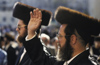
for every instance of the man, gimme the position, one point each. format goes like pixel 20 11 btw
pixel 54 42
pixel 10 49
pixel 2 43
pixel 3 54
pixel 97 42
pixel 3 57
pixel 95 50
pixel 22 12
pixel 75 32
pixel 45 39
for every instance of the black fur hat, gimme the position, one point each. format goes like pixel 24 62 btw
pixel 84 24
pixel 22 11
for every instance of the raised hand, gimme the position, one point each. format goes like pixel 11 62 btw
pixel 35 22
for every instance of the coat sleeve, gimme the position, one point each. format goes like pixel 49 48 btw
pixel 36 53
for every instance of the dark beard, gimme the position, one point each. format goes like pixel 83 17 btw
pixel 65 53
pixel 20 39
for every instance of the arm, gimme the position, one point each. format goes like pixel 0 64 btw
pixel 36 53
pixel 34 46
pixel 5 60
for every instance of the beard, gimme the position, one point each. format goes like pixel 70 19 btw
pixel 20 39
pixel 64 53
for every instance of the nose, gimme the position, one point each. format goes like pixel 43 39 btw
pixel 17 29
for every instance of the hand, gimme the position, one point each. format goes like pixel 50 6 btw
pixel 35 22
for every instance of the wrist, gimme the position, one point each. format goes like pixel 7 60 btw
pixel 30 35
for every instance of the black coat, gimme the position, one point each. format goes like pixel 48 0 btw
pixel 25 60
pixel 40 58
pixel 11 55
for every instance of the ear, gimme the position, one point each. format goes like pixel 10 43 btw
pixel 73 39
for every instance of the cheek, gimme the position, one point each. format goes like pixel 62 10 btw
pixel 23 33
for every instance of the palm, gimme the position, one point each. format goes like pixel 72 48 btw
pixel 35 21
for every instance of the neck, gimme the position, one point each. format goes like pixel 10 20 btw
pixel 78 51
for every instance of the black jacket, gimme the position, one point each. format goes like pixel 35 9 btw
pixel 25 60
pixel 11 55
pixel 40 58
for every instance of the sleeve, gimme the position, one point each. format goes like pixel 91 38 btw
pixel 5 60
pixel 36 53
pixel 30 38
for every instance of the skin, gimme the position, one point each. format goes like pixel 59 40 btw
pixel 97 44
pixel 34 23
pixel 62 40
pixel 22 30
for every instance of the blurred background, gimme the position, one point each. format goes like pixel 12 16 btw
pixel 8 22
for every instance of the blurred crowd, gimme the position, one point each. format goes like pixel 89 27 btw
pixel 10 47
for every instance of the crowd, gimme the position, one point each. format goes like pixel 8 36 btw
pixel 77 42
pixel 10 47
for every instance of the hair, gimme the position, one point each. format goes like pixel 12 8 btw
pixel 25 23
pixel 70 29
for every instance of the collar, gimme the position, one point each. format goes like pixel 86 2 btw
pixel 69 61
pixel 7 46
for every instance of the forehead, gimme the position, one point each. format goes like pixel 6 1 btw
pixel 63 26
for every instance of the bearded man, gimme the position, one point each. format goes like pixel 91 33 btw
pixel 74 34
pixel 22 12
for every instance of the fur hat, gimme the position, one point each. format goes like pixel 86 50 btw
pixel 84 24
pixel 22 11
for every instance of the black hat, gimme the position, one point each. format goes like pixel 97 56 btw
pixel 84 24
pixel 22 11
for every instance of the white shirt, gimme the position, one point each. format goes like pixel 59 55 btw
pixel 30 38
pixel 22 55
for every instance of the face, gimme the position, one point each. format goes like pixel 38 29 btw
pixel 61 35
pixel 46 41
pixel 22 31
pixel 97 44
pixel 65 51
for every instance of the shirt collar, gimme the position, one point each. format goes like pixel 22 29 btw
pixel 67 62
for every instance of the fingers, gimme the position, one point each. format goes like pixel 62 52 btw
pixel 31 14
pixel 37 13
pixel 40 15
pixel 34 12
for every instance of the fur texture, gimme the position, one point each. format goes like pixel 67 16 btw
pixel 84 24
pixel 22 11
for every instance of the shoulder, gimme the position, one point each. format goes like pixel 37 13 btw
pixel 3 52
pixel 14 45
pixel 85 62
